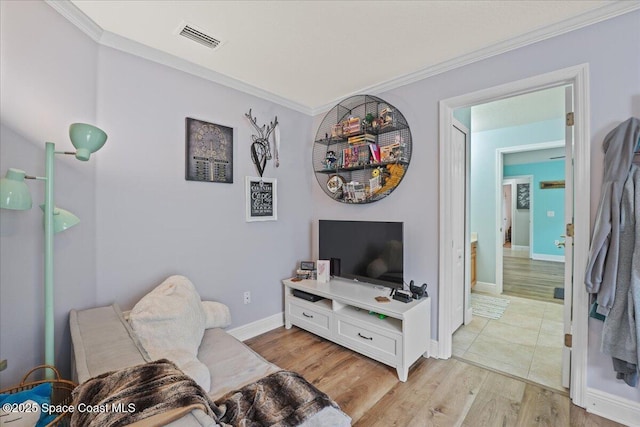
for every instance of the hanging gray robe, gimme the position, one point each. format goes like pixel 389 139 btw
pixel 621 331
pixel 602 266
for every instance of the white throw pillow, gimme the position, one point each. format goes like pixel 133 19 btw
pixel 217 315
pixel 170 323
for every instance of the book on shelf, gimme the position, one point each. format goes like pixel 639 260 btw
pixel 350 156
pixel 375 153
pixel 359 139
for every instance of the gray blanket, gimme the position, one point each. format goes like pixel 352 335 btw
pixel 282 399
pixel 136 393
pixel 158 392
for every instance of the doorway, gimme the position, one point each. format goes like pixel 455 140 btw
pixel 577 306
pixel 525 338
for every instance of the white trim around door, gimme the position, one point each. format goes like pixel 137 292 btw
pixel 578 76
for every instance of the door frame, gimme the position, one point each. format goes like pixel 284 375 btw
pixel 578 76
pixel 467 312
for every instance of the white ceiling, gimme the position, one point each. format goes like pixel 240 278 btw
pixel 519 110
pixel 313 53
pixel 535 156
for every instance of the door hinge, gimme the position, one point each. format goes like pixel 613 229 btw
pixel 570 119
pixel 568 338
pixel 569 232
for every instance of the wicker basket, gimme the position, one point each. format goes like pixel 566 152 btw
pixel 60 392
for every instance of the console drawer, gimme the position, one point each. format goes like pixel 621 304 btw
pixel 376 344
pixel 310 318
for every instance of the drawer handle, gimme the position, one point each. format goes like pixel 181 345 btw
pixel 366 338
pixel 307 315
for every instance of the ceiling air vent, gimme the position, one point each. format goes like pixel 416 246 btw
pixel 197 35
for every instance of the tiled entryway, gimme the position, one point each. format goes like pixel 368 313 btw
pixel 526 341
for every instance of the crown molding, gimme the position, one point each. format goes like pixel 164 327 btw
pixel 106 38
pixel 588 18
pixel 77 18
pixel 132 47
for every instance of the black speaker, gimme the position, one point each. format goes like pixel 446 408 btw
pixel 334 266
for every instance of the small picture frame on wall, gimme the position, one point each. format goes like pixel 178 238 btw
pixel 523 197
pixel 209 152
pixel 261 199
pixel 323 269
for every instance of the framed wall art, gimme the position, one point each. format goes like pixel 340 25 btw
pixel 262 199
pixel 522 201
pixel 209 152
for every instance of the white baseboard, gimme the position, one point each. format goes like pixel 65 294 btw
pixel 545 257
pixel 520 248
pixel 612 407
pixel 258 327
pixel 490 288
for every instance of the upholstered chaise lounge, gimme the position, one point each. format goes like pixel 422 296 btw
pixel 104 341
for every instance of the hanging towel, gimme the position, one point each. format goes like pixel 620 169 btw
pixel 602 266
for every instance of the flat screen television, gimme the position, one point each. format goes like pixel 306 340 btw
pixel 366 251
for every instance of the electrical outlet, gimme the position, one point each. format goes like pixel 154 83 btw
pixel 247 297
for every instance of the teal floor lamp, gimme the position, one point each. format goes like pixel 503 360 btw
pixel 14 194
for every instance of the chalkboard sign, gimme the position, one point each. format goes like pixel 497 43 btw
pixel 261 204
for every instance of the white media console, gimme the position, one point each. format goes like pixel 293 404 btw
pixel 398 340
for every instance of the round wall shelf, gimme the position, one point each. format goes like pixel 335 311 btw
pixel 362 150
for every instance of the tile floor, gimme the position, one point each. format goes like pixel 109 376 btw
pixel 525 342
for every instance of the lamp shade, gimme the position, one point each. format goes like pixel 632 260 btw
pixel 14 192
pixel 62 219
pixel 87 139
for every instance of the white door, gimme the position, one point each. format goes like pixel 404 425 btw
pixel 458 181
pixel 568 248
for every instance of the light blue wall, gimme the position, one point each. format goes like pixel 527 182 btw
pixel 545 229
pixel 483 182
pixel 463 115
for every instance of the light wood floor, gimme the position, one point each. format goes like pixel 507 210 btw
pixel 533 279
pixel 437 393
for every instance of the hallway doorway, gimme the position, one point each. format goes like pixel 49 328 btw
pixel 527 339
pixel 575 313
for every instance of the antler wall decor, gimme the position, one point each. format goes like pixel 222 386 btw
pixel 260 148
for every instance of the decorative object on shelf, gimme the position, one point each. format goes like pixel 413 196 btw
pixel 209 152
pixel 335 185
pixel 330 160
pixel 14 194
pixel 324 266
pixel 261 204
pixel 522 201
pixel 362 150
pixel 260 148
